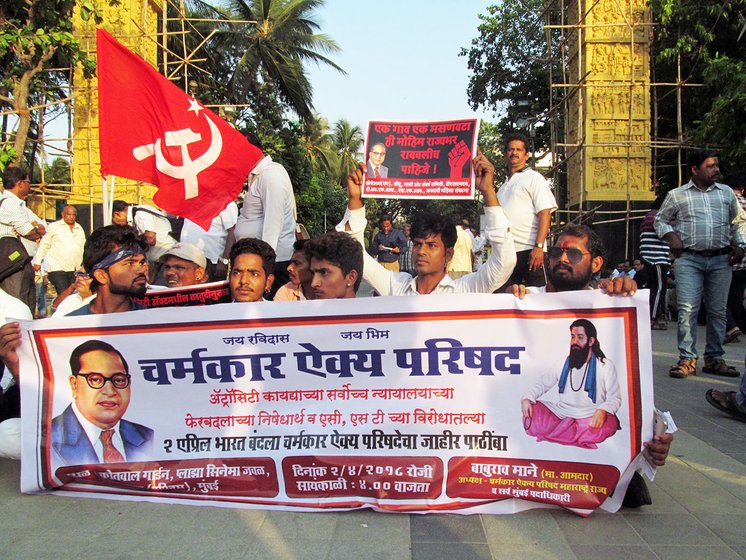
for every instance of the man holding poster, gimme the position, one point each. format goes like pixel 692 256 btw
pixel 433 240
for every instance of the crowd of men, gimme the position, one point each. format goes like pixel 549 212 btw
pixel 258 251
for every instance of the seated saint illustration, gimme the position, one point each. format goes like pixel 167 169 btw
pixel 580 401
pixel 91 429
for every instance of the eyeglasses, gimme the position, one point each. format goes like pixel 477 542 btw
pixel 98 380
pixel 378 153
pixel 573 255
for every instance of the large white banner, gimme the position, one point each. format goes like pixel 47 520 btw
pixel 468 403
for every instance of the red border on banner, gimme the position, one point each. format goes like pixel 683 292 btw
pixel 628 314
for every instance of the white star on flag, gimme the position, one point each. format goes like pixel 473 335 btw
pixel 195 106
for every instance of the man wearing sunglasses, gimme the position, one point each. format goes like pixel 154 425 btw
pixel 571 262
pixel 91 430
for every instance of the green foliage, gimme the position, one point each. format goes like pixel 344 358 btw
pixel 36 36
pixel 252 62
pixel 58 173
pixel 699 41
pixel 508 62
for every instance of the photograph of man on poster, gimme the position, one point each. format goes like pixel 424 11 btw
pixel 584 412
pixel 91 429
pixel 376 156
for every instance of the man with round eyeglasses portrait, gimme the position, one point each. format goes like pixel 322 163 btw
pixel 91 429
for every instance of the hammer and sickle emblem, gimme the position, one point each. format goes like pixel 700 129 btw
pixel 189 169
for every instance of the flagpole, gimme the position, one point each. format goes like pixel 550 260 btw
pixel 104 200
pixel 111 201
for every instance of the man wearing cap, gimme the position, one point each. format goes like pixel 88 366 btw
pixel 184 264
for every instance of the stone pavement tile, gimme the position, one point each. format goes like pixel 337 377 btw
pixel 540 551
pixel 740 550
pixel 613 552
pixel 376 547
pixel 451 551
pixel 703 492
pixel 666 528
pixel 447 528
pixel 730 528
pixel 529 527
pixel 222 521
pixel 287 548
pixel 663 502
pixel 298 525
pixel 363 525
pixel 695 553
pixel 366 534
pixel 598 529
pixel 44 543
pixel 57 515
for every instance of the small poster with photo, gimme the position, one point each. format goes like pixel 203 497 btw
pixel 420 160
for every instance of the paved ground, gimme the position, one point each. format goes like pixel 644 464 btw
pixel 699 511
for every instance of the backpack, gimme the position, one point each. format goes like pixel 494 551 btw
pixel 177 222
pixel 13 255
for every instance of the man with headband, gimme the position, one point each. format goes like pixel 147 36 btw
pixel 114 258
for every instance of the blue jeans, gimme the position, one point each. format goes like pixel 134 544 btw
pixel 696 276
pixel 741 393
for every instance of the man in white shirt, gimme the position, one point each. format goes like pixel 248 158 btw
pixel 149 222
pixel 213 241
pixel 10 410
pixel 268 213
pixel 433 239
pixel 16 223
pixel 528 203
pixel 62 245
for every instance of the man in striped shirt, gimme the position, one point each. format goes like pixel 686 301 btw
pixel 706 230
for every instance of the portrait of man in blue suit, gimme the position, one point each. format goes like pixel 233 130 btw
pixel 376 169
pixel 91 429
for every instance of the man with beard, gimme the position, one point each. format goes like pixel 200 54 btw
pixel 115 261
pixel 571 263
pixel 589 395
pixel 114 258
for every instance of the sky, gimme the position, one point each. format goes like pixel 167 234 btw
pixel 401 57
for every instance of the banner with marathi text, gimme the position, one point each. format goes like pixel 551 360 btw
pixel 400 404
pixel 420 160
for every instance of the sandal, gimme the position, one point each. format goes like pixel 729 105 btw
pixel 732 335
pixel 717 366
pixel 726 401
pixel 685 368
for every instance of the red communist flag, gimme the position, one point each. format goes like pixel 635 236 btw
pixel 151 131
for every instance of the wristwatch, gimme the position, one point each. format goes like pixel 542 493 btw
pixel 539 245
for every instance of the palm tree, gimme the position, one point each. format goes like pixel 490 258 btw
pixel 269 42
pixel 348 140
pixel 320 148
